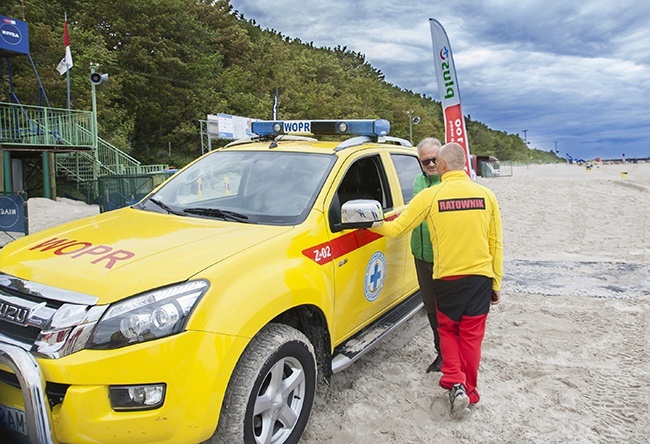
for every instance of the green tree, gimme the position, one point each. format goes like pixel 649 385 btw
pixel 172 62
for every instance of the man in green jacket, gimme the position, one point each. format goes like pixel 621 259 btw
pixel 421 241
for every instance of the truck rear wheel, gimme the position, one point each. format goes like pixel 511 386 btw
pixel 271 391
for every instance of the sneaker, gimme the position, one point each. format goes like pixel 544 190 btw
pixel 459 401
pixel 436 365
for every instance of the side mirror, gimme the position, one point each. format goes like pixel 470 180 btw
pixel 361 213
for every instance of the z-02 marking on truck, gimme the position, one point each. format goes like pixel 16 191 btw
pixel 231 295
pixel 334 249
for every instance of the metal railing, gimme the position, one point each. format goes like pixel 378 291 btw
pixel 107 154
pixel 69 133
pixel 83 166
pixel 111 161
pixel 43 126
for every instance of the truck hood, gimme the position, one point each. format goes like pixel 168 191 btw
pixel 124 252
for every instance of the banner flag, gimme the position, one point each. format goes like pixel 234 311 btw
pixel 275 105
pixel 66 62
pixel 455 130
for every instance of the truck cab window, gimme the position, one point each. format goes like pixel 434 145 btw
pixel 365 179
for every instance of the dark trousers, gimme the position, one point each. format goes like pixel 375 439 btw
pixel 463 305
pixel 424 271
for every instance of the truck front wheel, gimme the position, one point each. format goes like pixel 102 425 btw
pixel 271 391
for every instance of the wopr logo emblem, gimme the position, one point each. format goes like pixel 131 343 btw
pixel 375 276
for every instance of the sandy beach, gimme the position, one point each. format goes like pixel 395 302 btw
pixel 566 356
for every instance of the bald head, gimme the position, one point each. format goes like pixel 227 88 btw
pixel 451 157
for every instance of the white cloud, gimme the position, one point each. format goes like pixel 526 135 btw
pixel 575 73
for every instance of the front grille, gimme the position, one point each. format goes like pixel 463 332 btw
pixel 25 334
pixel 43 319
pixel 20 333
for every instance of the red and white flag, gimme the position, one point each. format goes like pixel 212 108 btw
pixel 448 88
pixel 66 62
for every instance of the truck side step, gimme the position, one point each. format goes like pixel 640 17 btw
pixel 357 345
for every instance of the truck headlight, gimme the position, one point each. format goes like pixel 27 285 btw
pixel 151 315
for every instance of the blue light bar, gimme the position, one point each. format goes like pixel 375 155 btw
pixel 266 127
pixel 371 128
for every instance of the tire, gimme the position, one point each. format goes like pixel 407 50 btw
pixel 271 391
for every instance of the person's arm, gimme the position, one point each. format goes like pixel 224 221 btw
pixel 496 244
pixel 414 214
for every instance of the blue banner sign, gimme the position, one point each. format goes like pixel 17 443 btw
pixel 12 213
pixel 14 39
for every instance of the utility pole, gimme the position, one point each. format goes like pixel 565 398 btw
pixel 412 120
pixel 526 142
pixel 95 135
pixel 93 68
pixel 410 114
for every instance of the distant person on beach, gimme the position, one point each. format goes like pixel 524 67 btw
pixel 421 241
pixel 465 227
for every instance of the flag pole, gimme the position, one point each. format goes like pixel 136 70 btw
pixel 67 73
pixel 275 104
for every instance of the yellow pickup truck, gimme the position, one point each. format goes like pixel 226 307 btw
pixel 211 309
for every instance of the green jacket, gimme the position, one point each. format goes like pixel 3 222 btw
pixel 420 239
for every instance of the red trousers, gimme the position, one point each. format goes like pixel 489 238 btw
pixel 460 344
pixel 463 304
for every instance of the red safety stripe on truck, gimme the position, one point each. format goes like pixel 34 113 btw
pixel 328 251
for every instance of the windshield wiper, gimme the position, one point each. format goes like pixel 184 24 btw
pixel 167 208
pixel 216 212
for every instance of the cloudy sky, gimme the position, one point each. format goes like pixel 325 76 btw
pixel 575 73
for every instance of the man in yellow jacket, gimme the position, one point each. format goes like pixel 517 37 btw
pixel 465 227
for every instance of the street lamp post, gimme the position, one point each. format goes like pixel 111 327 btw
pixel 412 121
pixel 527 149
pixel 93 68
pixel 95 135
pixel 95 79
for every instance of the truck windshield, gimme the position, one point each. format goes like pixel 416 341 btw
pixel 270 187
